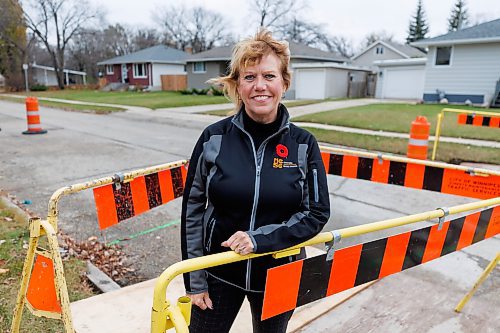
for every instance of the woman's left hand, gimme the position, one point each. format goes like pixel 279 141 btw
pixel 240 243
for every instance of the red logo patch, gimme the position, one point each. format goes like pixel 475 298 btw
pixel 282 151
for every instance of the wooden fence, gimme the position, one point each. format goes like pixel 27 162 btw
pixel 173 82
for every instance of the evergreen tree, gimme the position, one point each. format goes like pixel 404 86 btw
pixel 418 28
pixel 458 17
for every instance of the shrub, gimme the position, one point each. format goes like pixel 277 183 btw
pixel 38 87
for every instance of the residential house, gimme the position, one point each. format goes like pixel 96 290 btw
pixel 400 68
pixel 212 63
pixel 383 50
pixel 145 67
pixel 46 75
pixel 463 65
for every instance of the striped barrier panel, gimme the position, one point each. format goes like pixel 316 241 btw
pixel 120 201
pixel 314 278
pixel 418 176
pixel 478 120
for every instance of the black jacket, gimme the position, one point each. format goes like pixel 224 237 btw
pixel 277 193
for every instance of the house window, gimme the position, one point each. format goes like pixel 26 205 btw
pixel 109 69
pixel 379 50
pixel 199 67
pixel 443 56
pixel 139 70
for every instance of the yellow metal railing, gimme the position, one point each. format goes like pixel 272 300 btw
pixel 48 228
pixel 440 118
pixel 165 315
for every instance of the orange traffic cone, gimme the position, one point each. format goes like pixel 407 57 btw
pixel 33 117
pixel 419 138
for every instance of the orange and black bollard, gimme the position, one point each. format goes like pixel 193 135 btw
pixel 33 117
pixel 419 138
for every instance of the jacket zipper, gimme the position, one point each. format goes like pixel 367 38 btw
pixel 258 167
pixel 316 194
pixel 209 241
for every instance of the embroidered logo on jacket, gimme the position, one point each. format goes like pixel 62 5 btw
pixel 279 163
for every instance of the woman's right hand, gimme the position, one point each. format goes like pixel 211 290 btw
pixel 201 300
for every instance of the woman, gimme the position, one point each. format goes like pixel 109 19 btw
pixel 256 183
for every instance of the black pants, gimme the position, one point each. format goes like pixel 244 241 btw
pixel 227 301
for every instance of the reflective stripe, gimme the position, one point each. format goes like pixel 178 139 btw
pixel 34 126
pixel 417 142
pixel 32 113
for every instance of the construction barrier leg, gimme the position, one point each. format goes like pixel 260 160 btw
pixel 481 279
pixel 43 287
pixel 28 264
pixel 60 280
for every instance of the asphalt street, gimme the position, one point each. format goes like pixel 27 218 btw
pixel 82 146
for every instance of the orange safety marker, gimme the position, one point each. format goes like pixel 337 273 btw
pixel 419 138
pixel 356 265
pixel 41 294
pixel 33 117
pixel 120 201
pixel 424 177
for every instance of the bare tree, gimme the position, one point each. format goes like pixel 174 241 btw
pixel 118 40
pixel 196 27
pixel 55 23
pixel 314 35
pixel 372 37
pixel 144 38
pixel 272 13
pixel 340 45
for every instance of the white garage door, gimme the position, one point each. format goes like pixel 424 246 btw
pixel 310 84
pixel 404 83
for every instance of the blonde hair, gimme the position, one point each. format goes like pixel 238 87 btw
pixel 248 52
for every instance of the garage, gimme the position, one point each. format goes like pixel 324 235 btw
pixel 328 80
pixel 402 78
pixel 310 83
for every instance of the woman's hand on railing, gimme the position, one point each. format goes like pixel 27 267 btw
pixel 240 243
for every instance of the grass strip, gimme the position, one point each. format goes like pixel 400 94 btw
pixel 152 99
pixel 398 118
pixel 98 109
pixel 14 235
pixel 288 104
pixel 447 152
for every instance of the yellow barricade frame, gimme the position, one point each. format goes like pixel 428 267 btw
pixel 440 118
pixel 48 228
pixel 163 314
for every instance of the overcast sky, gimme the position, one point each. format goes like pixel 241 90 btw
pixel 350 18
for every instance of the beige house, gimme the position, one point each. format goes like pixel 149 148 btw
pixel 381 50
pixel 203 66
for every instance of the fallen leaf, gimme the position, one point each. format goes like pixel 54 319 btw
pixel 4 270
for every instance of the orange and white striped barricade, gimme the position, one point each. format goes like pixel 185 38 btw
pixel 33 117
pixel 419 138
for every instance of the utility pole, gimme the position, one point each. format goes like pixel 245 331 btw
pixel 25 67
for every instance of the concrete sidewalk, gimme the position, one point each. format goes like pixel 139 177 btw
pixel 128 310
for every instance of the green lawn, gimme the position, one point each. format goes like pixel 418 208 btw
pixel 447 152
pixel 12 254
pixel 288 104
pixel 69 107
pixel 398 118
pixel 153 100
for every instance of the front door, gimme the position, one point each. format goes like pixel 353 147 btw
pixel 124 73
